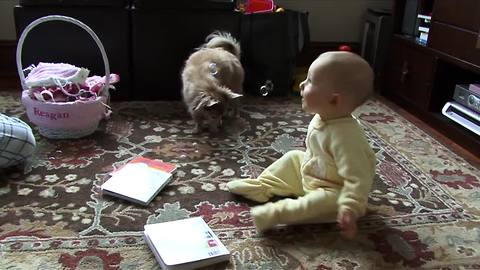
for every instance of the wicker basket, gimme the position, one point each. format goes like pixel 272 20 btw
pixel 65 120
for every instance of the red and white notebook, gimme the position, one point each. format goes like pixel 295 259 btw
pixel 185 244
pixel 140 180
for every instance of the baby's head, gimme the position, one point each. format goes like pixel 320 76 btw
pixel 337 83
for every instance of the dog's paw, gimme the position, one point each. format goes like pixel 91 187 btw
pixel 196 130
pixel 213 129
pixel 197 127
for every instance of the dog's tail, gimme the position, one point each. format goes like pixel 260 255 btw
pixel 223 40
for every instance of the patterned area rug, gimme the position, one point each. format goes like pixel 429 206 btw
pixel 423 211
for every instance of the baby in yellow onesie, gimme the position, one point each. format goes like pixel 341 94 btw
pixel 331 180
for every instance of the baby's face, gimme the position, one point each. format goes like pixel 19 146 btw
pixel 316 90
pixel 337 83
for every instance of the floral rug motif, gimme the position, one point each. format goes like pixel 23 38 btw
pixel 423 210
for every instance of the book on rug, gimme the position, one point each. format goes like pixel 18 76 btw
pixel 140 180
pixel 185 244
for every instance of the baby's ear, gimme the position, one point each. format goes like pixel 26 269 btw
pixel 335 99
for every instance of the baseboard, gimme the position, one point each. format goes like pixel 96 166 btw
pixel 7 55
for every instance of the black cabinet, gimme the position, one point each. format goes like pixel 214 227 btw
pixel 62 42
pixel 162 40
pixel 147 42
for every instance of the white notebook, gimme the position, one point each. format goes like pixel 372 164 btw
pixel 139 181
pixel 185 244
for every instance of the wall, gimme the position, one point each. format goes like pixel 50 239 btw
pixel 335 20
pixel 330 20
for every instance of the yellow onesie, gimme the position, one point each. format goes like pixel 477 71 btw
pixel 335 173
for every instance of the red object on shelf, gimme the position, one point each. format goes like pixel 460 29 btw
pixel 258 6
pixel 345 48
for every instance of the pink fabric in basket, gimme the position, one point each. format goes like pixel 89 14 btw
pixel 47 74
pixel 76 115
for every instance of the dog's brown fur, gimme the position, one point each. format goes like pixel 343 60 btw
pixel 212 77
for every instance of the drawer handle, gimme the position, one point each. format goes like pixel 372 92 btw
pixel 478 40
pixel 405 72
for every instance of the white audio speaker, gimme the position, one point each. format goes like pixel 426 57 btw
pixel 463 116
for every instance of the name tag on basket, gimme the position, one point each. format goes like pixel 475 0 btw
pixel 50 115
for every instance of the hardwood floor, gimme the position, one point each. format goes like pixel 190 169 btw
pixel 11 83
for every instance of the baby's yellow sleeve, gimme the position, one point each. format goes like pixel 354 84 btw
pixel 355 161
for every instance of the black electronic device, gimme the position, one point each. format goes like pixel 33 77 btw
pixel 409 22
pixel 467 97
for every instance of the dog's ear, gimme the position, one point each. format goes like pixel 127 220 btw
pixel 229 93
pixel 211 101
pixel 205 101
pixel 233 95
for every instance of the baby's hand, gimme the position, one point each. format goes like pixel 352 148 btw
pixel 347 223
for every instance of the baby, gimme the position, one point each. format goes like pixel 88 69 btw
pixel 331 180
pixel 17 142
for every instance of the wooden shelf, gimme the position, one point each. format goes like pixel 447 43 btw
pixel 410 39
pixel 422 77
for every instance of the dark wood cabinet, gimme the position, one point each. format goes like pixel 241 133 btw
pixel 408 73
pixel 455 30
pixel 454 41
pixel 464 14
pixel 421 77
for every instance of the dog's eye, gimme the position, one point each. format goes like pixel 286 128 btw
pixel 216 108
pixel 212 108
pixel 213 69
